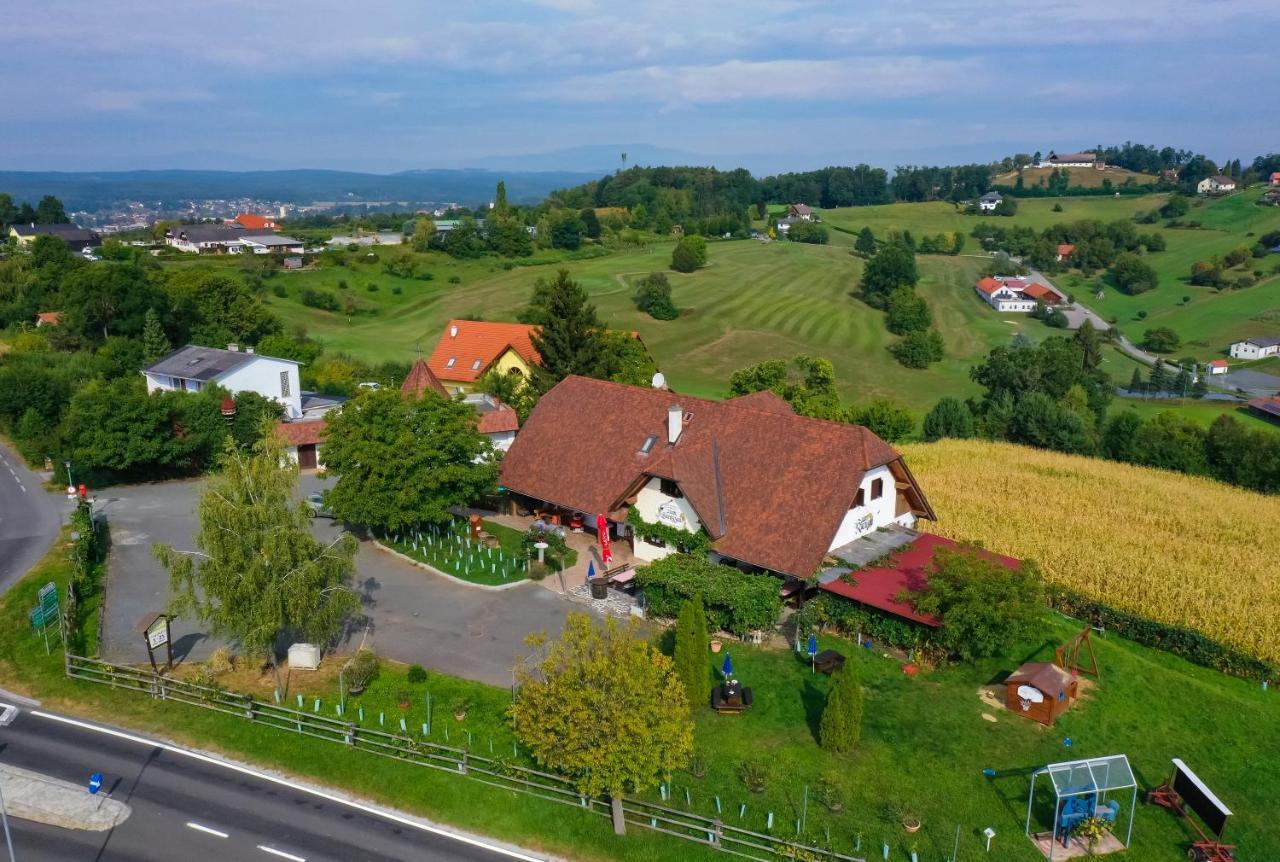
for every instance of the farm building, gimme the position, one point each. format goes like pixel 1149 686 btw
pixel 1070 160
pixel 771 489
pixel 989 201
pixel 1268 407
pixel 1219 366
pixel 1040 691
pixel 1015 294
pixel 303 442
pixel 1256 348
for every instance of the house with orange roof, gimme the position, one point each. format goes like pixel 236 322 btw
pixel 1016 295
pixel 48 318
pixel 255 222
pixel 495 420
pixel 303 441
pixel 1065 250
pixel 469 349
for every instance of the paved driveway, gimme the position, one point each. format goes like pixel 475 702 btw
pixel 411 615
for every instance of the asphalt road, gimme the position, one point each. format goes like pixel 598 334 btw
pixel 29 518
pixel 262 820
pixel 410 614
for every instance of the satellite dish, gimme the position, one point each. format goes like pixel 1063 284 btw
pixel 659 381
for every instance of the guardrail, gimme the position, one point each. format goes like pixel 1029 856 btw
pixel 496 772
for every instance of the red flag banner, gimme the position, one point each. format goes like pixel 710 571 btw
pixel 602 528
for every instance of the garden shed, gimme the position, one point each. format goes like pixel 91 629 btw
pixel 1040 691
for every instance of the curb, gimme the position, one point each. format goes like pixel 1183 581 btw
pixel 493 588
pixel 7 695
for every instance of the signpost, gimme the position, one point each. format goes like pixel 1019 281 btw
pixel 95 783
pixel 156 634
pixel 45 612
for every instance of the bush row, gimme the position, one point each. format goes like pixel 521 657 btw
pixel 848 618
pixel 735 601
pixel 1179 640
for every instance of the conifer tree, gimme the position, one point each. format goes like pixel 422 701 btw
pixel 841 726
pixel 155 343
pixel 691 650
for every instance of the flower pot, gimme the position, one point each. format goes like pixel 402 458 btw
pixel 911 824
pixel 715 645
pixel 460 714
pixel 833 807
pixel 355 690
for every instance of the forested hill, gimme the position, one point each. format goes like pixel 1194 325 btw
pixel 95 190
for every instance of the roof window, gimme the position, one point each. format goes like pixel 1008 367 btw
pixel 452 359
pixel 648 444
pixel 475 366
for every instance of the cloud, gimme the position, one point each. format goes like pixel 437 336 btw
pixel 365 96
pixel 862 79
pixel 124 100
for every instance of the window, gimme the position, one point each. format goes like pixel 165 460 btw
pixel 651 540
pixel 284 384
pixel 515 370
pixel 648 444
pixel 669 487
pixel 877 489
pixel 861 499
pixel 452 359
pixel 475 366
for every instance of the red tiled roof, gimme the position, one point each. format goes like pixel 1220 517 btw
pixel 1219 363
pixel 770 487
pixel 255 222
pixel 1066 249
pixel 1268 405
pixel 880 586
pixel 420 380
pixel 466 341
pixel 762 400
pixel 498 421
pixel 304 433
pixel 1040 291
pixel 989 285
pixel 49 318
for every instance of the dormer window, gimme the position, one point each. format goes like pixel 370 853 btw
pixel 647 445
pixel 452 359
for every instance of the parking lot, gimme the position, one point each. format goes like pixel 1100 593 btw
pixel 411 614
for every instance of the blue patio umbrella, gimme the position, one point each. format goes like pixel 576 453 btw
pixel 727 668
pixel 591 569
pixel 813 645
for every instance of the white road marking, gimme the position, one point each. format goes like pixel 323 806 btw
pixel 283 855
pixel 205 829
pixel 23 487
pixel 375 811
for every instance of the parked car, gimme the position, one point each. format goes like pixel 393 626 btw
pixel 318 508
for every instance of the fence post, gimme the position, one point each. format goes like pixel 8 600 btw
pixel 718 833
pixel 248 713
pixel 351 734
pixel 462 765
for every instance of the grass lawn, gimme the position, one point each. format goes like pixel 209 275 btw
pixel 925 744
pixel 454 553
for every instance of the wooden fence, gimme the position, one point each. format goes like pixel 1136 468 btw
pixel 495 772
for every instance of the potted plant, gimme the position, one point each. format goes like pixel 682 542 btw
pixel 361 670
pixel 460 709
pixel 911 823
pixel 1089 832
pixel 697 765
pixel 716 644
pixel 402 698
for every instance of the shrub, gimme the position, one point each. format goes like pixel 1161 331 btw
pixel 653 296
pixel 455 279
pixel 372 288
pixel 950 417
pixel 320 299
pixel 221 661
pixel 362 669
pixel 1161 339
pixel 417 673
pixel 684 258
pixel 342 284
pixel 397 290
pixel 841 725
pixel 808 232
pixel 1132 275
pixel 919 348
pixel 735 601
pixel 278 290
pixel 690 656
pixel 754 774
pixel 907 312
pixel 985 608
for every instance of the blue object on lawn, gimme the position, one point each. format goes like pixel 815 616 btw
pixel 95 782
pixel 813 645
pixel 1067 742
pixel 591 569
pixel 727 667
pixel 989 772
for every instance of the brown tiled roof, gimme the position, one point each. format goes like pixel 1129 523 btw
pixel 764 400
pixel 1037 290
pixel 420 380
pixel 496 421
pixel 1066 249
pixel 465 341
pixel 303 433
pixel 1041 675
pixel 50 318
pixel 770 487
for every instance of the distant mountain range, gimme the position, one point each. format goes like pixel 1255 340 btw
pixel 96 190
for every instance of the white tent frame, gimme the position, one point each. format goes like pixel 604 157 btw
pixel 1099 769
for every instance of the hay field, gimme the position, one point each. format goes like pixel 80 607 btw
pixel 1174 548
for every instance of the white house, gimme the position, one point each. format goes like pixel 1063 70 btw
pixel 1015 294
pixel 767 488
pixel 800 211
pixel 1219 366
pixel 989 201
pixel 1256 348
pixel 191 368
pixel 270 243
pixel 1215 185
pixel 304 442
pixel 212 238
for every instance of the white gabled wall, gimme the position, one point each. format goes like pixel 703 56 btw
pixel 262 375
pixel 648 503
pixel 502 440
pixel 873 514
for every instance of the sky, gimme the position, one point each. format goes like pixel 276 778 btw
pixel 388 85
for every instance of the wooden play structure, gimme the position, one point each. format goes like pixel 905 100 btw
pixel 1040 691
pixel 1068 655
pixel 1186 795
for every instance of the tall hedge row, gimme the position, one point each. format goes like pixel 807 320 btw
pixel 735 601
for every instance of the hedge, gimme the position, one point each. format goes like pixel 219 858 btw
pixel 850 618
pixel 735 601
pixel 1179 640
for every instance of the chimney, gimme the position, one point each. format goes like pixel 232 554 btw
pixel 453 332
pixel 233 347
pixel 675 422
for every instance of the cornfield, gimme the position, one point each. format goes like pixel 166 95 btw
pixel 1176 549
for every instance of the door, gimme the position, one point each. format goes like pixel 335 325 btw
pixel 307 456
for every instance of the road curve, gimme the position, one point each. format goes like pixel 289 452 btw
pixel 29 518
